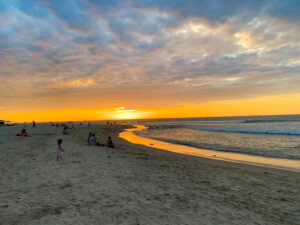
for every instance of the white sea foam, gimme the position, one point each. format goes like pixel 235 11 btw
pixel 245 130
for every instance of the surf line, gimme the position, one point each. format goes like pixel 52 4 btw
pixel 286 164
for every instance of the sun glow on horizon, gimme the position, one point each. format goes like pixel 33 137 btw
pixel 122 113
pixel 267 105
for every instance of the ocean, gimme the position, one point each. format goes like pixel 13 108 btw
pixel 269 136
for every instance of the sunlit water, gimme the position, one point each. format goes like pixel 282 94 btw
pixel 288 164
pixel 270 136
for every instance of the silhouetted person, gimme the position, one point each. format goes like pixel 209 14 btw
pixel 109 142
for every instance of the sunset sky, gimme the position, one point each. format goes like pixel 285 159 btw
pixel 96 59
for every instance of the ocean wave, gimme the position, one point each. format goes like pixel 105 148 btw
pixel 257 131
pixel 221 122
pixel 246 121
pixel 242 121
pixel 269 121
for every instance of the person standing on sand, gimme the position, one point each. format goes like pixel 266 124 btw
pixel 33 124
pixel 59 152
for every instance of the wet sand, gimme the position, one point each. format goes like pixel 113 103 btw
pixel 133 184
pixel 287 164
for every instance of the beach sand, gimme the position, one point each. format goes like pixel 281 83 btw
pixel 133 184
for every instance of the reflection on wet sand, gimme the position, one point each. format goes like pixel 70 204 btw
pixel 226 156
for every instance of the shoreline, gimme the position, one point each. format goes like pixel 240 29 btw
pixel 277 163
pixel 134 184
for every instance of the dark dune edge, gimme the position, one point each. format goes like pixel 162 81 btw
pixel 133 184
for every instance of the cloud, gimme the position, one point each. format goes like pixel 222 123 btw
pixel 222 11
pixel 288 10
pixel 200 49
pixel 123 109
pixel 73 13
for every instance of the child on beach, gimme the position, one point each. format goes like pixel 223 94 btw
pixel 60 150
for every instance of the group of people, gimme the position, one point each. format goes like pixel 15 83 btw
pixel 92 140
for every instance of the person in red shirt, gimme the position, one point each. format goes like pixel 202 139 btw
pixel 23 133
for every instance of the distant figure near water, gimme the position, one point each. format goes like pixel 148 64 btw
pixel 33 124
pixel 65 131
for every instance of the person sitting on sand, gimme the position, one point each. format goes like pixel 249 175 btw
pixel 109 142
pixel 90 135
pixel 92 139
pixel 59 152
pixel 23 133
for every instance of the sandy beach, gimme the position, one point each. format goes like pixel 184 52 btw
pixel 133 184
